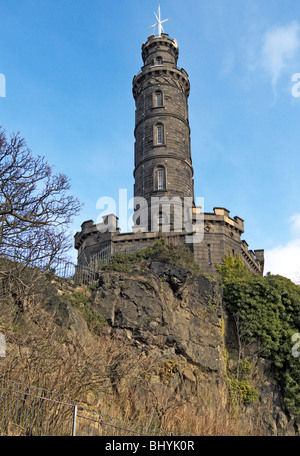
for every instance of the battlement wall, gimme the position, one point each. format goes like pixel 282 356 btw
pixel 221 236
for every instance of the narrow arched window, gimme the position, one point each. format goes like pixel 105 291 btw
pixel 158 99
pixel 159 134
pixel 159 61
pixel 209 254
pixel 159 176
pixel 160 179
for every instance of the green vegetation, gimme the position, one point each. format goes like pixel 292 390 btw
pixel 82 302
pixel 266 310
pixel 179 255
pixel 242 391
pixel 232 268
pixel 240 388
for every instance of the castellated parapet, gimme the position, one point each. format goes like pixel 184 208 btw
pixel 163 169
pixel 222 235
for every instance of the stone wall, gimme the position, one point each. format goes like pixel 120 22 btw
pixel 222 235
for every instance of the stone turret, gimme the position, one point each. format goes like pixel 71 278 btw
pixel 163 163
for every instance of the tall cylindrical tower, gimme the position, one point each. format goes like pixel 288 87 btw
pixel 163 163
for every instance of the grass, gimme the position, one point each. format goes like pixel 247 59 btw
pixel 110 374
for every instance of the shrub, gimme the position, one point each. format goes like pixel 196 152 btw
pixel 268 311
pixel 179 255
pixel 242 391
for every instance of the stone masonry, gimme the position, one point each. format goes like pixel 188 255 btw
pixel 163 170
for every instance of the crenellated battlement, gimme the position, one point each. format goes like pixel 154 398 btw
pixel 221 216
pixel 162 45
pixel 221 236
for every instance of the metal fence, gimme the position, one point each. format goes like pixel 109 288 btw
pixel 32 411
pixel 100 258
pixel 89 273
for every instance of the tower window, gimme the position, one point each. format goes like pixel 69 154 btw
pixel 159 61
pixel 159 134
pixel 160 179
pixel 158 98
pixel 209 254
pixel 159 130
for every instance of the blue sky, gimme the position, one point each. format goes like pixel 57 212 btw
pixel 69 65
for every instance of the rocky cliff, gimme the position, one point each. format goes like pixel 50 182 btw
pixel 166 307
pixel 153 344
pixel 182 315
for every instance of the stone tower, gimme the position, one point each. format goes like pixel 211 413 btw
pixel 163 163
pixel 163 172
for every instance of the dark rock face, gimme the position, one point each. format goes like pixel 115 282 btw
pixel 169 309
pixel 166 307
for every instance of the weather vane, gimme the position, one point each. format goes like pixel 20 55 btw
pixel 159 22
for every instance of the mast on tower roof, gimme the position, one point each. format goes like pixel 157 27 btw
pixel 159 22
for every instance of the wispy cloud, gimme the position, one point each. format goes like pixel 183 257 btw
pixel 285 259
pixel 280 45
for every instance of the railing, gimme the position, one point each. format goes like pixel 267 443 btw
pixel 100 258
pixel 31 411
pixel 89 274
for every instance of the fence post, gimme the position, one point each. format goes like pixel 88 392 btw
pixel 74 421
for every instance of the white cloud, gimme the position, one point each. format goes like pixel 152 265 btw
pixel 279 49
pixel 285 259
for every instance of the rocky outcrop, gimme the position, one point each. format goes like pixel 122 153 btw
pixel 153 341
pixel 167 307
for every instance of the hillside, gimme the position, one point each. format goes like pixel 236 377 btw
pixel 151 341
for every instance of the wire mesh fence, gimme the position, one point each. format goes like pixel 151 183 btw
pixel 32 411
pixel 28 410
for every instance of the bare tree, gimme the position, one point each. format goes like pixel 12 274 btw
pixel 35 206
